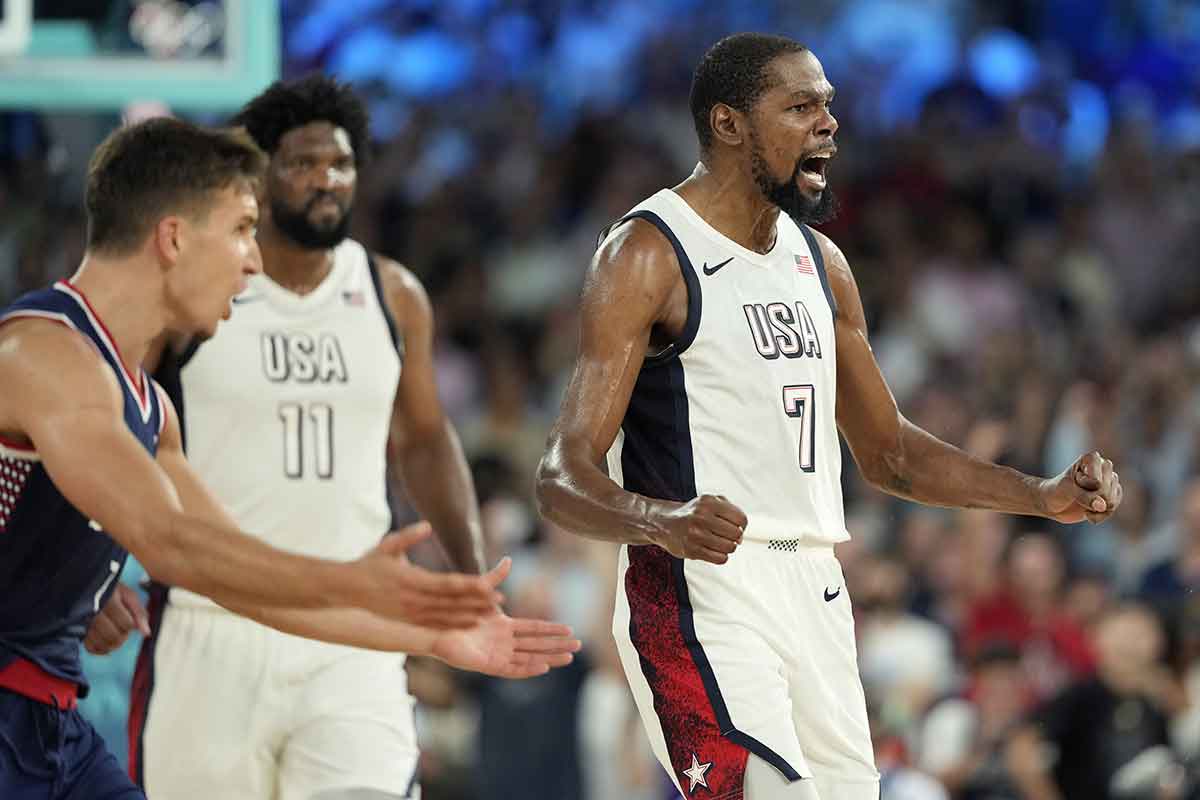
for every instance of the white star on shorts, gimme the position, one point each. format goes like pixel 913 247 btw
pixel 696 774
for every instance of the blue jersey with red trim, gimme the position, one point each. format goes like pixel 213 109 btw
pixel 57 567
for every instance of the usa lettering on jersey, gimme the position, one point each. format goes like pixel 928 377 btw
pixel 303 358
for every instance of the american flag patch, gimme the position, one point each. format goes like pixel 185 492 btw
pixel 355 298
pixel 804 264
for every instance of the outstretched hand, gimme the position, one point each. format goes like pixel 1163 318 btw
pixel 394 587
pixel 1088 489
pixel 121 616
pixel 508 648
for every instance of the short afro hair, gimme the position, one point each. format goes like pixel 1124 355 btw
pixel 733 72
pixel 315 98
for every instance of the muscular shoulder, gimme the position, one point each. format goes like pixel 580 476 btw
pixel 51 368
pixel 841 278
pixel 405 295
pixel 636 255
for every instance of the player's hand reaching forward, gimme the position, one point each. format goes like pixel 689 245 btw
pixel 708 528
pixel 393 587
pixel 508 648
pixel 1088 489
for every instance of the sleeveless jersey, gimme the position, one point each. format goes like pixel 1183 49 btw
pixel 743 403
pixel 57 567
pixel 286 411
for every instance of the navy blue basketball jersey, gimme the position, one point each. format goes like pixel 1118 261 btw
pixel 57 567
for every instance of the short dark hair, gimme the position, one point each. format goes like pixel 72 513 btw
pixel 314 98
pixel 145 171
pixel 733 72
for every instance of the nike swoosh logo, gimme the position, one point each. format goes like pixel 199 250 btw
pixel 713 269
pixel 829 596
pixel 237 301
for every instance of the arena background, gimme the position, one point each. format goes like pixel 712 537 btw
pixel 1020 184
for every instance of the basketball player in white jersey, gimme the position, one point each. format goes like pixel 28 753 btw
pixel 721 341
pixel 286 413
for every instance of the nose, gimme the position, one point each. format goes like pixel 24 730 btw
pixel 827 125
pixel 252 265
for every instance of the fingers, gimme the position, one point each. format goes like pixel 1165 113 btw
pixel 1088 471
pixel 539 627
pixel 132 603
pixel 400 541
pixel 547 645
pixel 522 665
pixel 499 572
pixel 104 636
pixel 452 585
pixel 728 511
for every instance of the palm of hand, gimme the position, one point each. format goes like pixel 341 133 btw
pixel 488 647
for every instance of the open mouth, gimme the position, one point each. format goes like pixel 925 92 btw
pixel 813 168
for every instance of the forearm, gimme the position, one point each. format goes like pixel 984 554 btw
pixel 579 497
pixel 353 627
pixel 229 566
pixel 438 483
pixel 925 469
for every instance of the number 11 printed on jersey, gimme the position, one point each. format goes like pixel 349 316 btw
pixel 320 416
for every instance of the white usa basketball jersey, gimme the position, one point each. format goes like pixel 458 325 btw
pixel 743 403
pixel 286 411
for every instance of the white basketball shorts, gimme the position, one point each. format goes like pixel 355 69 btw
pixel 754 656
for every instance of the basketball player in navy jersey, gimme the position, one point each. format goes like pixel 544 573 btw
pixel 330 352
pixel 698 431
pixel 91 465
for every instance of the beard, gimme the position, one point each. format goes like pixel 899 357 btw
pixel 300 229
pixel 803 209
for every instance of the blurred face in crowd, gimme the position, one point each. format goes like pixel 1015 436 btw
pixel 1128 641
pixel 1035 567
pixel 310 185
pixel 791 138
pixel 215 252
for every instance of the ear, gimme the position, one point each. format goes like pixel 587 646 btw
pixel 728 124
pixel 169 236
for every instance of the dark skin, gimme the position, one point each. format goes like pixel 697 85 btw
pixel 635 302
pixel 317 160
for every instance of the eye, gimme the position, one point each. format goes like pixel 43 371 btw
pixel 801 107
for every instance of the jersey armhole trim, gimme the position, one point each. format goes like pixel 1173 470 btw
pixel 819 259
pixel 694 303
pixel 393 328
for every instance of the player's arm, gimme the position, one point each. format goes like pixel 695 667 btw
pixel 899 458
pixel 632 286
pixel 495 643
pixel 197 501
pixel 61 396
pixel 423 447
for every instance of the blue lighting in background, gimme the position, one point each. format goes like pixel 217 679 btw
pixel 1003 63
pixel 1086 128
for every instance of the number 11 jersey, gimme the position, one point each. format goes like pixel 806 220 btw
pixel 743 403
pixel 286 410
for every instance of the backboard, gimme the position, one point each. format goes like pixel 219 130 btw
pixel 201 55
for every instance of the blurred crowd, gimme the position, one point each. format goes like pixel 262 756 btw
pixel 1033 293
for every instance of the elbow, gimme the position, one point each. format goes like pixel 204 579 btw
pixel 547 489
pixel 885 471
pixel 161 551
pixel 543 489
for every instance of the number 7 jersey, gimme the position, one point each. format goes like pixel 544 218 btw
pixel 743 403
pixel 286 410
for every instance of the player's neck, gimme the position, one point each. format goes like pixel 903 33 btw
pixel 731 203
pixel 295 268
pixel 127 299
